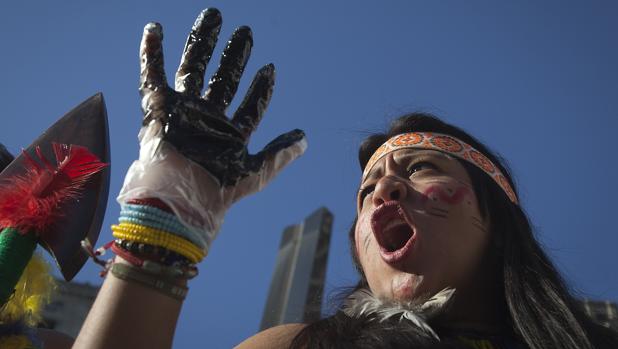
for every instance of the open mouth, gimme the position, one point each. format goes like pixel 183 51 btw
pixel 393 232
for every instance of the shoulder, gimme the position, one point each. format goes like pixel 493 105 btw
pixel 273 338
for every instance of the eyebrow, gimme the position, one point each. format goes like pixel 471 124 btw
pixel 409 156
pixel 425 153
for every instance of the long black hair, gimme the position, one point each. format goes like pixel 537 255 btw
pixel 539 307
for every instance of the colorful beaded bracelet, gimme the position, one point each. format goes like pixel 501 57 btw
pixel 147 209
pixel 176 270
pixel 171 226
pixel 152 252
pixel 164 221
pixel 140 233
pixel 153 202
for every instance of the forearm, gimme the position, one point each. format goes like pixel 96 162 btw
pixel 193 165
pixel 126 314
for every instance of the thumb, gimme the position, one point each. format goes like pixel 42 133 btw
pixel 273 158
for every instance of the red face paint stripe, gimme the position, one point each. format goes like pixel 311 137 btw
pixel 454 199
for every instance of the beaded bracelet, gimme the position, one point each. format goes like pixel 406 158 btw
pixel 158 219
pixel 153 202
pixel 181 232
pixel 150 210
pixel 127 256
pixel 152 252
pixel 161 238
pixel 176 270
pixel 170 226
pixel 143 234
pixel 161 217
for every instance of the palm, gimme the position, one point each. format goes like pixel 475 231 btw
pixel 196 125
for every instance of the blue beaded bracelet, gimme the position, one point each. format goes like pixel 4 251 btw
pixel 148 210
pixel 171 226
pixel 158 219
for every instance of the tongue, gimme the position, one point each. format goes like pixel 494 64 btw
pixel 397 237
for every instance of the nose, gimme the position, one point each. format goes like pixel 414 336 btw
pixel 389 188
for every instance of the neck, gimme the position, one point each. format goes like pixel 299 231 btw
pixel 478 306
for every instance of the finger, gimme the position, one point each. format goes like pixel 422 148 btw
pixel 152 74
pixel 198 50
pixel 282 142
pixel 224 83
pixel 251 110
pixel 271 160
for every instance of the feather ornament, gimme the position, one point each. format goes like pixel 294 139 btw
pixel 30 202
pixel 31 294
pixel 363 303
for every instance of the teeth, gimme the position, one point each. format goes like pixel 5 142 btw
pixel 394 223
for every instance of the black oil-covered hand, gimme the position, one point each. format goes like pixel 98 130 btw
pixel 196 125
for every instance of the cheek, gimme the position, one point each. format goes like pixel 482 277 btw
pixel 449 200
pixel 369 257
pixel 452 234
pixel 446 194
pixel 362 236
pixel 444 201
pixel 453 209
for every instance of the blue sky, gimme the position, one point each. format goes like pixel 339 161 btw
pixel 536 81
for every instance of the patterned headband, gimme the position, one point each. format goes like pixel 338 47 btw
pixel 445 144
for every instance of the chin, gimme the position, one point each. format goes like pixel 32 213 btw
pixel 406 287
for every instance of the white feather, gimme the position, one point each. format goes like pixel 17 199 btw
pixel 363 303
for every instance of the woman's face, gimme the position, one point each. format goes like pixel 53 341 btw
pixel 419 228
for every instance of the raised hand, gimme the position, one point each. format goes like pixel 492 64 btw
pixel 197 125
pixel 192 156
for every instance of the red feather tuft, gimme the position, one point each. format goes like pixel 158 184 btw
pixel 31 202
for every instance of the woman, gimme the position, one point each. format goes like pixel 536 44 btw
pixel 471 234
pixel 445 252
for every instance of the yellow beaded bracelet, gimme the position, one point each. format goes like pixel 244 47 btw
pixel 152 236
pixel 136 237
pixel 159 238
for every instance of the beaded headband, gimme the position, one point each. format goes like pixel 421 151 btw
pixel 446 144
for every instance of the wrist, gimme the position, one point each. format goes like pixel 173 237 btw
pixel 170 287
pixel 148 227
pixel 194 196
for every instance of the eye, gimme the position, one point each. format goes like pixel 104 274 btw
pixel 420 166
pixel 363 192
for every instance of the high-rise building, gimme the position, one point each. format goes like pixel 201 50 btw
pixel 298 280
pixel 69 306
